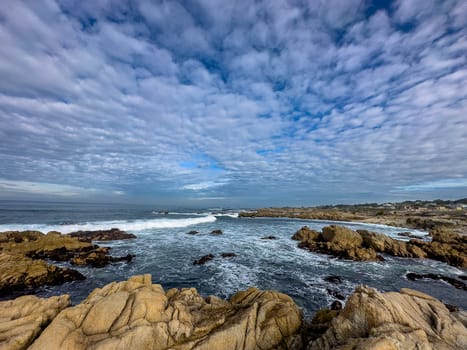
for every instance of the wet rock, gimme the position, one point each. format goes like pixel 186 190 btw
pixel 23 319
pixel 270 237
pixel 228 255
pixel 453 254
pixel 405 320
pixel 203 260
pixel 336 305
pixel 18 272
pixel 335 294
pixel 192 232
pixel 462 277
pixel 437 277
pixel 333 279
pixel 102 235
pixel 139 315
pixel 216 232
pixel 98 258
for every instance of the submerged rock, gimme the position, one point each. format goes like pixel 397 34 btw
pixel 18 273
pixel 228 255
pixel 216 232
pixel 437 277
pixel 139 315
pixel 192 232
pixel 270 237
pixel 204 259
pixel 23 319
pixel 399 321
pixel 333 279
pixel 102 235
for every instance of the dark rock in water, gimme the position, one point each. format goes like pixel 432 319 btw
pixel 192 232
pixel 335 294
pixel 437 277
pixel 404 234
pixel 228 255
pixel 407 234
pixel 333 279
pixel 203 260
pixel 451 308
pixel 336 305
pixel 269 237
pixel 98 258
pixel 462 277
pixel 102 235
pixel 216 232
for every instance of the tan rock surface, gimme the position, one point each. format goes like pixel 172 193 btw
pixel 139 315
pixel 396 321
pixel 22 319
pixel 18 272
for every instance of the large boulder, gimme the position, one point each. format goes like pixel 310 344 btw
pixel 305 234
pixel 22 319
pixel 338 241
pixel 393 321
pixel 137 314
pixel 342 236
pixel 18 272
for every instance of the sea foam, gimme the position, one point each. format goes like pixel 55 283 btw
pixel 136 225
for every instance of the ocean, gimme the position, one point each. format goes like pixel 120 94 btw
pixel 165 250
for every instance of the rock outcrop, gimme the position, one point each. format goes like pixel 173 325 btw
pixel 57 247
pixel 445 246
pixel 22 319
pixel 137 314
pixel 18 273
pixel 338 241
pixel 363 245
pixel 395 321
pixel 114 234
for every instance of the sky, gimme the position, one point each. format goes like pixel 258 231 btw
pixel 233 103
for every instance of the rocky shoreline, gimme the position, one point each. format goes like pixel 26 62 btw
pixel 413 215
pixel 363 245
pixel 25 257
pixel 137 314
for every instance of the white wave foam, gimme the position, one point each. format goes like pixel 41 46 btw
pixel 231 215
pixel 133 226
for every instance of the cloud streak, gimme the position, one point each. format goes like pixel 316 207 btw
pixel 284 102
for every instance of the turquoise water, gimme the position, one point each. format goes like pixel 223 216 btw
pixel 163 249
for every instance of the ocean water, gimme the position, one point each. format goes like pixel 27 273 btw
pixel 165 250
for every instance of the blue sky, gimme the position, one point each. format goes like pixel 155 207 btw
pixel 246 103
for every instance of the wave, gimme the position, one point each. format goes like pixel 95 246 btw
pixel 216 214
pixel 136 225
pixel 230 215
